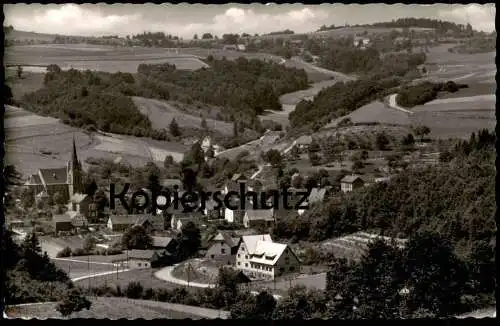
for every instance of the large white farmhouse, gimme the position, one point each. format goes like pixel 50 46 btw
pixel 261 258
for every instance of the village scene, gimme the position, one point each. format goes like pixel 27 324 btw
pixel 354 166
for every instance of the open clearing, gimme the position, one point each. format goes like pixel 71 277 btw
pixel 161 113
pixel 117 308
pixel 374 112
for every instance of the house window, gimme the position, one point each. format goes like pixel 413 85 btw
pixel 292 268
pixel 238 255
pixel 246 256
pixel 246 264
pixel 139 264
pixel 223 251
pixel 239 263
pixel 282 269
pixel 212 256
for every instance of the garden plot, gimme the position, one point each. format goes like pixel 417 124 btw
pixel 159 155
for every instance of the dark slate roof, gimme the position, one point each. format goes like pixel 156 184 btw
pixel 350 178
pixel 227 238
pixel 54 176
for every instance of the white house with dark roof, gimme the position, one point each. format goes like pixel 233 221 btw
pixel 261 258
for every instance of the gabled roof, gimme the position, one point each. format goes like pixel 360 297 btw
pixel 317 195
pixel 267 252
pixel 260 214
pixel 54 176
pixel 251 241
pixel 141 254
pixel 123 219
pixel 226 238
pixel 61 218
pixel 350 178
pixel 161 241
pixel 34 179
pixel 304 140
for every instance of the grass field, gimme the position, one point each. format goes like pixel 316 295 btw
pixel 161 113
pixel 104 58
pixel 34 141
pixel 117 308
pixel 79 267
pixel 144 276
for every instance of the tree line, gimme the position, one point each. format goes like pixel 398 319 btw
pixel 338 100
pixel 419 94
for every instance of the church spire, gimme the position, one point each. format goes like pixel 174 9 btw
pixel 74 157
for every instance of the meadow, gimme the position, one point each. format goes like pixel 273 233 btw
pixel 117 308
pixel 33 141
pixel 161 113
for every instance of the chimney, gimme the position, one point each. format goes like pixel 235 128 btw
pixel 54 175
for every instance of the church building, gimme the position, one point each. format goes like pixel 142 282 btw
pixel 67 181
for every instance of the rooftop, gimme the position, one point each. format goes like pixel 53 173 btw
pixel 161 241
pixel 54 176
pixel 350 178
pixel 267 252
pixel 251 241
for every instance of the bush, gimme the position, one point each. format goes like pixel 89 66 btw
pixel 66 252
pixel 134 290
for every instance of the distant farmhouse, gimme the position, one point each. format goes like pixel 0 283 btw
pixel 66 181
pixel 351 182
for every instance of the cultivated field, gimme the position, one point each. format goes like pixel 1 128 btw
pixel 103 58
pixel 374 112
pixel 33 141
pixel 161 113
pixel 117 308
pixel 456 117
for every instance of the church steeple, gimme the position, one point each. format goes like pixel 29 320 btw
pixel 74 173
pixel 74 157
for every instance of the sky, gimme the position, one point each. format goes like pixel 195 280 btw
pixel 185 20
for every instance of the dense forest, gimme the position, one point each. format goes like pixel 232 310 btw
pixel 86 99
pixel 455 199
pixel 439 25
pixel 246 85
pixel 338 100
pixel 370 63
pixel 243 88
pixel 419 94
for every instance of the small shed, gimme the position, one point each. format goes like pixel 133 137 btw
pixel 351 182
